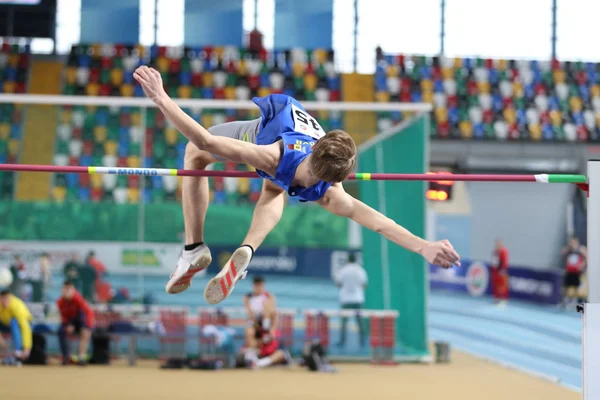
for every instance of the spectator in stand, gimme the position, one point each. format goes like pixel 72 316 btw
pixel 15 319
pixel 39 277
pixel 100 271
pixel 499 270
pixel 352 280
pixel 77 317
pixel 261 308
pixel 71 271
pixel 575 256
pixel 17 269
pixel 88 277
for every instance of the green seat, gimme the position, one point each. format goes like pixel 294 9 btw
pixel 309 95
pixel 105 76
pixel 97 158
pixel 70 90
pixel 135 149
pixel 488 130
pixel 299 83
pixel 113 133
pixel 232 80
pixel 185 65
pixel 121 181
pixel 172 91
pixel 88 133
pixel 117 62
pixel 62 147
pixel 196 93
pixel 559 133
pixel 89 122
pixel 473 101
pixel 159 150
pixel 158 196
pixel 3 146
pixel 548 79
pixel 519 103
pixel 72 194
pixel 171 163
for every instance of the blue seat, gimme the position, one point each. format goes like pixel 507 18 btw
pixel 15 131
pixel 128 77
pixel 547 132
pixel 148 162
pixel 530 91
pixel 255 184
pixel 478 131
pixel 334 83
pixel 220 197
pixel 185 78
pixel 85 60
pixel 264 80
pixel 438 86
pixel 493 76
pixel 521 117
pixel 102 117
pixel 123 150
pixel 72 180
pixel 2 158
pixel 208 93
pixel 84 194
pixel 153 51
pixel 289 91
pixel 416 97
pixel 208 65
pixel 467 63
pixel 498 105
pixel 147 198
pixel 85 161
pixel 578 118
pixel 138 91
pixel 453 115
pixel 553 103
pixel 157 182
pixel 584 92
pixel 11 74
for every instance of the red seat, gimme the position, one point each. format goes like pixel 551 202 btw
pixel 105 90
pixel 488 116
pixel 162 51
pixel 122 162
pixel 444 129
pixel 175 66
pixel 452 101
pixel 230 166
pixel 133 181
pixel 148 145
pixel 88 147
pixel 219 93
pixel 253 82
pixel 197 80
pixel 84 180
pixel 334 95
pixel 94 75
pixel 106 62
pixel 254 196
pixel 219 185
pixel 77 133
pixel 582 133
pixel 125 120
pixel 97 194
pixel 160 120
pixel 74 161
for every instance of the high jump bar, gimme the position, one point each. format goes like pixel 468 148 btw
pixel 359 176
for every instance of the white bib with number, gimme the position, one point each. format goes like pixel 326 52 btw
pixel 306 124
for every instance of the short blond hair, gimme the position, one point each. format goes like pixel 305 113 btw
pixel 333 157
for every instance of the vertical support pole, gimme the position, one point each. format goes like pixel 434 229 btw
pixel 593 231
pixel 442 26
pixel 256 14
pixel 553 39
pixel 355 39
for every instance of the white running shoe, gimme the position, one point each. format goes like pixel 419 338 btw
pixel 195 261
pixel 222 285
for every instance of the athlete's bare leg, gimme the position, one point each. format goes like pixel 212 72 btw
pixel 195 204
pixel 267 214
pixel 194 193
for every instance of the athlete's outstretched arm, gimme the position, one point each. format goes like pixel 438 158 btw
pixel 341 203
pixel 235 150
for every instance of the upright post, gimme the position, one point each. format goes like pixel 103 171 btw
pixel 593 231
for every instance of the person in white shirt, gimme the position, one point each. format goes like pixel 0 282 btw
pixel 352 280
pixel 39 277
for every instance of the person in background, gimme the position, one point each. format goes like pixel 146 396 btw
pixel 15 319
pixel 88 276
pixel 499 270
pixel 100 270
pixel 77 317
pixel 261 308
pixel 575 255
pixel 352 280
pixel 17 269
pixel 71 271
pixel 39 277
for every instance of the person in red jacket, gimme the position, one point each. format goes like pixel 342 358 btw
pixel 500 273
pixel 77 317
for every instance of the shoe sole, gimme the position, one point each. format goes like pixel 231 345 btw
pixel 182 283
pixel 221 286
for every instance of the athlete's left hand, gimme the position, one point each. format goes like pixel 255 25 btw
pixel 440 253
pixel 151 82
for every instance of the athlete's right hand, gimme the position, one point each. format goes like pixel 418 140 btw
pixel 440 253
pixel 151 82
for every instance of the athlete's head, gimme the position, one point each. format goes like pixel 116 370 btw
pixel 333 157
pixel 258 285
pixel 68 290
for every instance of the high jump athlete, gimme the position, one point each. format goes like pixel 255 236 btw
pixel 289 149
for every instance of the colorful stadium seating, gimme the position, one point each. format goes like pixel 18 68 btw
pixel 496 99
pixel 124 137
pixel 14 65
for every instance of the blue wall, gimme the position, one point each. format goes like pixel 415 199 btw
pixel 306 23
pixel 110 21
pixel 210 22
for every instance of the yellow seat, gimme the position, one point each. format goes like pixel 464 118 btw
pixel 510 115
pixel 426 85
pixel 4 130
pixel 298 69
pixel 556 117
pixel 171 135
pixel 263 92
pixel 382 96
pixel 110 148
pixel 92 89
pixel 133 195
pixel 96 181
pixel 575 103
pixel 136 119
pixel 179 182
pixel 162 64
pixel 9 87
pixel 116 76
pixel 91 109
pixel 230 93
pixel 441 114
pixel 428 97
pixel 310 82
pixel 141 50
pixel 96 49
pixel 184 92
pixel 254 113
pixel 321 115
pixel 392 70
pixel 207 120
pixel 518 90
pixel 13 60
pixel 65 116
pixel 13 147
pixel 447 73
pixel 502 64
pixel 59 194
pixel 133 162
pixel 71 75
pixel 595 90
pixel 127 90
pixel 466 130
pixel 244 186
pixel 536 131
pixel 211 195
pixel 483 87
pixel 242 68
pixel 320 56
pixel 100 133
pixel 207 79
pixel 219 50
pixel 559 76
pixel 458 62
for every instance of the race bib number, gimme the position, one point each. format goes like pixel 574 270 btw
pixel 306 124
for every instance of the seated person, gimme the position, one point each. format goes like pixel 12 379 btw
pixel 15 319
pixel 262 314
pixel 270 352
pixel 77 317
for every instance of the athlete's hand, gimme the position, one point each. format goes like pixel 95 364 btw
pixel 70 329
pixel 151 82
pixel 440 253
